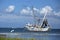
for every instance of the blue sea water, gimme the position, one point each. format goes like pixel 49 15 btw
pixel 53 34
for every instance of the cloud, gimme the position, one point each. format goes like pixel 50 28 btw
pixel 57 13
pixel 46 9
pixel 28 10
pixel 43 10
pixel 35 9
pixel 10 8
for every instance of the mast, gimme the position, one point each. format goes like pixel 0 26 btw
pixel 36 19
pixel 33 15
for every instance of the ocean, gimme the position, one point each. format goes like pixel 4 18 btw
pixel 53 34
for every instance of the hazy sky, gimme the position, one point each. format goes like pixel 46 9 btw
pixel 16 13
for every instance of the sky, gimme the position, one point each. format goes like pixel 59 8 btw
pixel 17 13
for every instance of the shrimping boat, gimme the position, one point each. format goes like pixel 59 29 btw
pixel 44 26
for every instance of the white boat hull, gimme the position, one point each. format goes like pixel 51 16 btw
pixel 37 29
